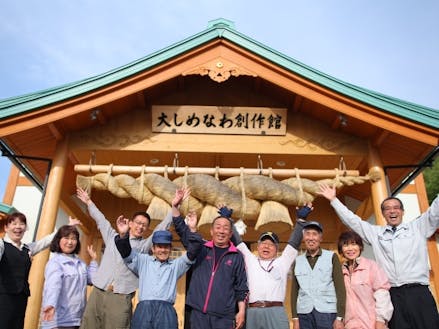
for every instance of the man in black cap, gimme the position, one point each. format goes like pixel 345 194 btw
pixel 267 275
pixel 318 294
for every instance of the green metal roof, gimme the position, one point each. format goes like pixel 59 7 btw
pixel 7 209
pixel 219 29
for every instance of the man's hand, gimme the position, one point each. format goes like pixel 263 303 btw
pixel 74 221
pixel 48 313
pixel 83 196
pixel 296 324
pixel 181 194
pixel 224 211
pixel 240 319
pixel 122 225
pixel 338 324
pixel 304 211
pixel 191 220
pixel 326 191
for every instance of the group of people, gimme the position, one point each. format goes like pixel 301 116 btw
pixel 230 287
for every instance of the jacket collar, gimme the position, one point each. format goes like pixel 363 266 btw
pixel 231 248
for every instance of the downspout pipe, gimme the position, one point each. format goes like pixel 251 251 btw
pixel 17 161
pixel 427 162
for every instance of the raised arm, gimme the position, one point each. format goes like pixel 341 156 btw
pixel 296 235
pixel 181 228
pixel 103 224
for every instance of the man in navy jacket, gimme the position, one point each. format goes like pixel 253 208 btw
pixel 219 282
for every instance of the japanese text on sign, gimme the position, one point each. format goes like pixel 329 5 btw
pixel 219 120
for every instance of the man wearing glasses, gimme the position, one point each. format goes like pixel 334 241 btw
pixel 114 285
pixel 400 248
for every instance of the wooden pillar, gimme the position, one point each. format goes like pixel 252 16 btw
pixel 433 253
pixel 47 224
pixel 378 187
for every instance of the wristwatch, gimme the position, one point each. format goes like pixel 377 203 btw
pixel 339 318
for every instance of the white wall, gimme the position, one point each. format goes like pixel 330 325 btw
pixel 27 200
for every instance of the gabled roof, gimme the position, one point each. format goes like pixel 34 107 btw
pixel 219 29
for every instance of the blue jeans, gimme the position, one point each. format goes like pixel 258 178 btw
pixel 317 320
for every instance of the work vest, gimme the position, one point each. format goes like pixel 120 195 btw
pixel 316 285
pixel 14 270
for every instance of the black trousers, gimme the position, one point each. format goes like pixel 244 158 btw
pixel 12 310
pixel 414 308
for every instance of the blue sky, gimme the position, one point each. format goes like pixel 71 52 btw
pixel 389 46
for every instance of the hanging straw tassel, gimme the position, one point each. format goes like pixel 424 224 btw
pixel 275 217
pixel 158 209
pixel 207 215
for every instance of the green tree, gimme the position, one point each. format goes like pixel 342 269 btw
pixel 431 176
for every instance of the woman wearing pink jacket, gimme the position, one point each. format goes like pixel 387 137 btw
pixel 368 304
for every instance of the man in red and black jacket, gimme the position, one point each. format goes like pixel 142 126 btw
pixel 219 282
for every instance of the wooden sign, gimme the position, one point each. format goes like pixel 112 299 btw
pixel 229 120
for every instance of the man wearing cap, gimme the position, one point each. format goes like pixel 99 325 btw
pixel 114 284
pixel 267 275
pixel 158 275
pixel 218 283
pixel 400 248
pixel 318 294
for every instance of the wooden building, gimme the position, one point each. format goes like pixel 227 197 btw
pixel 220 105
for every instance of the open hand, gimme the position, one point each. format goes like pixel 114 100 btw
pixel 74 221
pixel 122 225
pixel 91 251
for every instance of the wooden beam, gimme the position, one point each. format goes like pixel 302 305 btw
pixel 57 132
pixel 378 187
pixel 137 170
pixel 11 185
pixel 431 242
pixel 46 226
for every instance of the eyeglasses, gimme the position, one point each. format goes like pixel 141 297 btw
pixel 392 208
pixel 140 223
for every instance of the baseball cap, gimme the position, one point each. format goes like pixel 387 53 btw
pixel 269 235
pixel 314 225
pixel 162 237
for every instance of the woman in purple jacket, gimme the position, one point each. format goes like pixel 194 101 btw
pixel 66 279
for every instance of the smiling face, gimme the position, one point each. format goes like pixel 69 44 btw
pixel 161 251
pixel 221 232
pixel 312 239
pixel 15 229
pixel 392 211
pixel 267 249
pixel 351 251
pixel 138 225
pixel 68 243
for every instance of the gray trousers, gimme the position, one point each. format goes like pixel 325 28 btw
pixel 267 318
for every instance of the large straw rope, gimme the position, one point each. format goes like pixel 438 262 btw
pixel 206 190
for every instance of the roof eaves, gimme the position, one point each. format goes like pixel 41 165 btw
pixel 425 115
pixel 7 209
